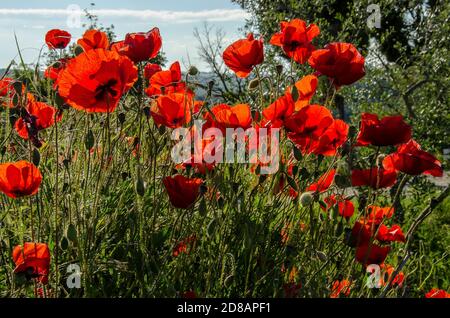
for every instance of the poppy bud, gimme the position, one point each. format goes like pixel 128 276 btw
pixel 306 199
pixel 322 256
pixel 253 84
pixel 211 84
pixel 279 69
pixel 193 71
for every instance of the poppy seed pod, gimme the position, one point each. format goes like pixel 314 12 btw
pixel 253 84
pixel 306 199
pixel 279 69
pixel 193 71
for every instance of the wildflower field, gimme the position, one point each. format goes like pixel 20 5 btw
pixel 117 179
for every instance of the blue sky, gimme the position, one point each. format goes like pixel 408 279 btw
pixel 176 19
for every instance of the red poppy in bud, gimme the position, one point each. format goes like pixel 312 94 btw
pixel 371 254
pixel 39 116
pixel 19 179
pixel 53 70
pixel 243 55
pixel 323 183
pixel 165 82
pixel 93 39
pixel 411 159
pixel 340 287
pixel 389 131
pixel 151 69
pixel 437 293
pixel 295 39
pixel 374 178
pixel 378 214
pixel 341 62
pixel 172 110
pixel 7 92
pixel 226 116
pixel 393 234
pixel 306 88
pixel 279 110
pixel 310 121
pixel 33 260
pixel 95 80
pixel 183 192
pixel 141 46
pixel 57 39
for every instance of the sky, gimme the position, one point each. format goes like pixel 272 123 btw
pixel 176 19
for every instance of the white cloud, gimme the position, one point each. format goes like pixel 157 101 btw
pixel 215 15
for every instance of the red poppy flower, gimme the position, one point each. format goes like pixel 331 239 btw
pixel 172 110
pixel 389 131
pixel 42 116
pixel 437 293
pixel 378 214
pixel 93 39
pixel 310 121
pixel 306 88
pixel 374 178
pixel 19 179
pixel 33 259
pixel 165 82
pixel 388 271
pixel 279 110
pixel 226 116
pixel 346 208
pixel 410 159
pixel 6 92
pixel 52 72
pixel 371 254
pixel 393 234
pixel 141 46
pixel 362 232
pixel 243 55
pixel 183 192
pixel 326 144
pixel 57 39
pixel 340 287
pixel 295 39
pixel 323 183
pixel 341 62
pixel 95 80
pixel 185 246
pixel 151 69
